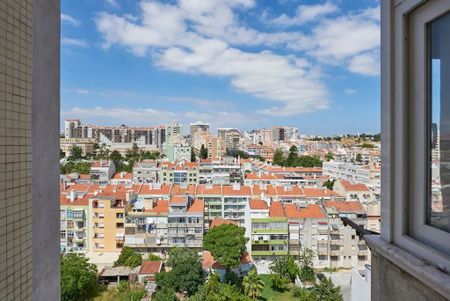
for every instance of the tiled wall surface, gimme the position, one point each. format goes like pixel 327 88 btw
pixel 16 55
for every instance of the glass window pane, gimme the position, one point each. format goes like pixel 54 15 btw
pixel 438 214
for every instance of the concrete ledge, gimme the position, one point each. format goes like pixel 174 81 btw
pixel 427 274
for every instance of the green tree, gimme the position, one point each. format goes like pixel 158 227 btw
pixel 203 152
pixel 164 294
pixel 78 278
pixel 214 290
pixel 326 291
pixel 358 158
pixel 226 244
pixel 278 157
pixel 309 161
pixel 367 145
pixel 278 282
pixel 329 184
pixel 253 285
pixel 128 257
pixel 329 156
pixel 307 274
pixel 76 153
pixel 303 294
pixel 193 159
pixel 306 257
pixel 292 157
pixel 186 274
pixel 61 154
pixel 115 156
pixel 285 266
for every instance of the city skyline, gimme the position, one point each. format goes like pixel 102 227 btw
pixel 261 64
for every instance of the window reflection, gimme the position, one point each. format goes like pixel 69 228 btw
pixel 438 214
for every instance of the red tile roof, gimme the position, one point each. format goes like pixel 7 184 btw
pixel 354 187
pixel 197 206
pixel 217 221
pixel 312 211
pixel 179 190
pixel 319 192
pixel 150 267
pixel 203 189
pixel 276 209
pixel 122 176
pixel 64 200
pixel 258 204
pixel 151 189
pixel 178 199
pixel 289 191
pixel 345 207
pixel 160 206
pixel 229 190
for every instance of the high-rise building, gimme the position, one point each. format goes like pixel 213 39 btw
pixel 173 133
pixel 72 128
pixel 196 128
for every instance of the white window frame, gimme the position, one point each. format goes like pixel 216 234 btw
pixel 404 131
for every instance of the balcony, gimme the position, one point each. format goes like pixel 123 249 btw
pixel 269 253
pixel 322 251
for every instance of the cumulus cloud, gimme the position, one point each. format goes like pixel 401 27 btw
pixel 70 20
pixel 350 91
pixel 112 3
pixel 163 31
pixel 306 13
pixel 74 42
pixel 204 37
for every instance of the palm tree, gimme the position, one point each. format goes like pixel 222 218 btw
pixel 253 285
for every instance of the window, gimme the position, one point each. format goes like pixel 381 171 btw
pixel 438 207
pixel 415 107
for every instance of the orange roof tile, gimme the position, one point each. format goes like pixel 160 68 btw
pixel 312 211
pixel 178 190
pixel 229 190
pixel 161 206
pixel 64 200
pixel 208 189
pixel 354 187
pixel 178 199
pixel 150 189
pixel 343 207
pixel 289 191
pixel 276 209
pixel 197 206
pixel 258 204
pixel 122 176
pixel 217 221
pixel 319 192
pixel 150 267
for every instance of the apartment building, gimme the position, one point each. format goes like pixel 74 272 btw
pixel 185 224
pixel 353 191
pixel 145 137
pixel 197 128
pixel 102 171
pixel 86 145
pixel 145 171
pixel 308 229
pixel 74 230
pixel 219 172
pixel 269 235
pixel 212 198
pixel 146 225
pixel 231 139
pixel 235 202
pixel 178 151
pixel 368 174
pixel 107 210
pixel 180 172
pixel 173 133
pixel 347 250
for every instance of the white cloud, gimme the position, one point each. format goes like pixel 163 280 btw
pixel 203 48
pixel 70 20
pixel 306 13
pixel 112 3
pixel 74 42
pixel 82 91
pixel 350 91
pixel 352 40
pixel 152 116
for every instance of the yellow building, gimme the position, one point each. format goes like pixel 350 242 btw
pixel 107 212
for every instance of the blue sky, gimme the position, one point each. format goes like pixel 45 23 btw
pixel 232 63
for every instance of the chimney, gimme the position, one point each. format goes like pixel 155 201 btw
pixel 73 195
pixel 148 204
